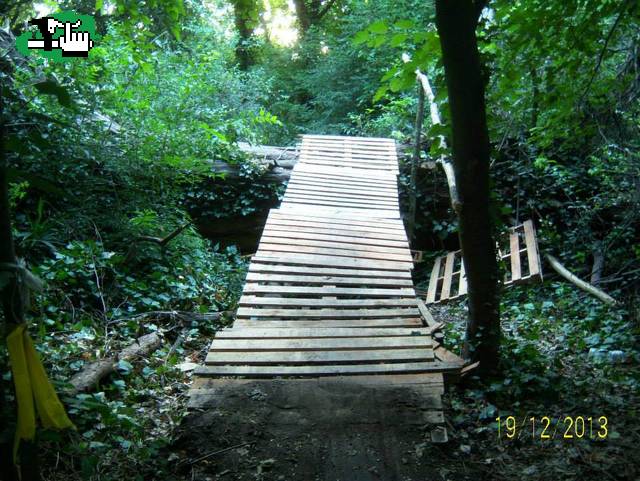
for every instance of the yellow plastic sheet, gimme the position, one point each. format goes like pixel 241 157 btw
pixel 33 388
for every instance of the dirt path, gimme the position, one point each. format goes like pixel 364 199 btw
pixel 312 430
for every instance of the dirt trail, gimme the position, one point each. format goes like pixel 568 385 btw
pixel 314 430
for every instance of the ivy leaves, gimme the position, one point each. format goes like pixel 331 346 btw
pixel 420 48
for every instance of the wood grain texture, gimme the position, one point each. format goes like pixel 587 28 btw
pixel 329 291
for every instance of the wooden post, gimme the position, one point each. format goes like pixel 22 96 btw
pixel 414 164
pixel 446 164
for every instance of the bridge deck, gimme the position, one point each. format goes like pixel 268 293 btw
pixel 329 291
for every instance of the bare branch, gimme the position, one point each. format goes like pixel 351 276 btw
pixel 325 9
pixel 623 8
pixel 585 286
pixel 446 164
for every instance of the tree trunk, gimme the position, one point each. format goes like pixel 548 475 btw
pixel 311 13
pixel 246 17
pixel 302 12
pixel 598 263
pixel 13 308
pixel 414 166
pixel 456 21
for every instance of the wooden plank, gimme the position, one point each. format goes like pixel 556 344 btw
pixel 426 384
pixel 331 193
pixel 351 281
pixel 376 157
pixel 345 204
pixel 317 332
pixel 330 261
pixel 256 266
pixel 304 183
pixel 403 253
pixel 364 166
pixel 384 177
pixel 382 224
pixel 328 370
pixel 347 142
pixel 320 199
pixel 336 144
pixel 426 313
pixel 342 196
pixel 355 212
pixel 433 281
pixel 294 236
pixel 265 248
pixel 385 152
pixel 360 181
pixel 339 152
pixel 360 162
pixel 380 313
pixel 342 183
pixel 304 187
pixel 319 357
pixel 358 178
pixel 321 344
pixel 447 356
pixel 329 291
pixel 515 256
pixel 372 161
pixel 287 302
pixel 347 170
pixel 339 230
pixel 533 257
pixel 343 138
pixel 325 323
pixel 448 271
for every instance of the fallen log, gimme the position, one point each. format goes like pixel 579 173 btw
pixel 278 162
pixel 244 231
pixel 94 372
pixel 182 316
pixel 575 280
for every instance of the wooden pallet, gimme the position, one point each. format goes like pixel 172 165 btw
pixel 448 281
pixel 329 291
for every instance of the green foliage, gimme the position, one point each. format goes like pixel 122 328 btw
pixel 326 79
pixel 141 139
pixel 546 330
pixel 249 193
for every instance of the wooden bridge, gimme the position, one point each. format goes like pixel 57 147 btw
pixel 329 297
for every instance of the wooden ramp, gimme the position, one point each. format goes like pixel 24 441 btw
pixel 329 295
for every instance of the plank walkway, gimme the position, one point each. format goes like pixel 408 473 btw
pixel 329 292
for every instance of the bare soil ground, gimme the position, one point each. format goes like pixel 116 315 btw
pixel 329 430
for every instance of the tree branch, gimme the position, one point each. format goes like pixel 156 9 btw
pixel 325 9
pixel 604 50
pixel 162 242
pixel 93 372
pixel 446 164
pixel 575 280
